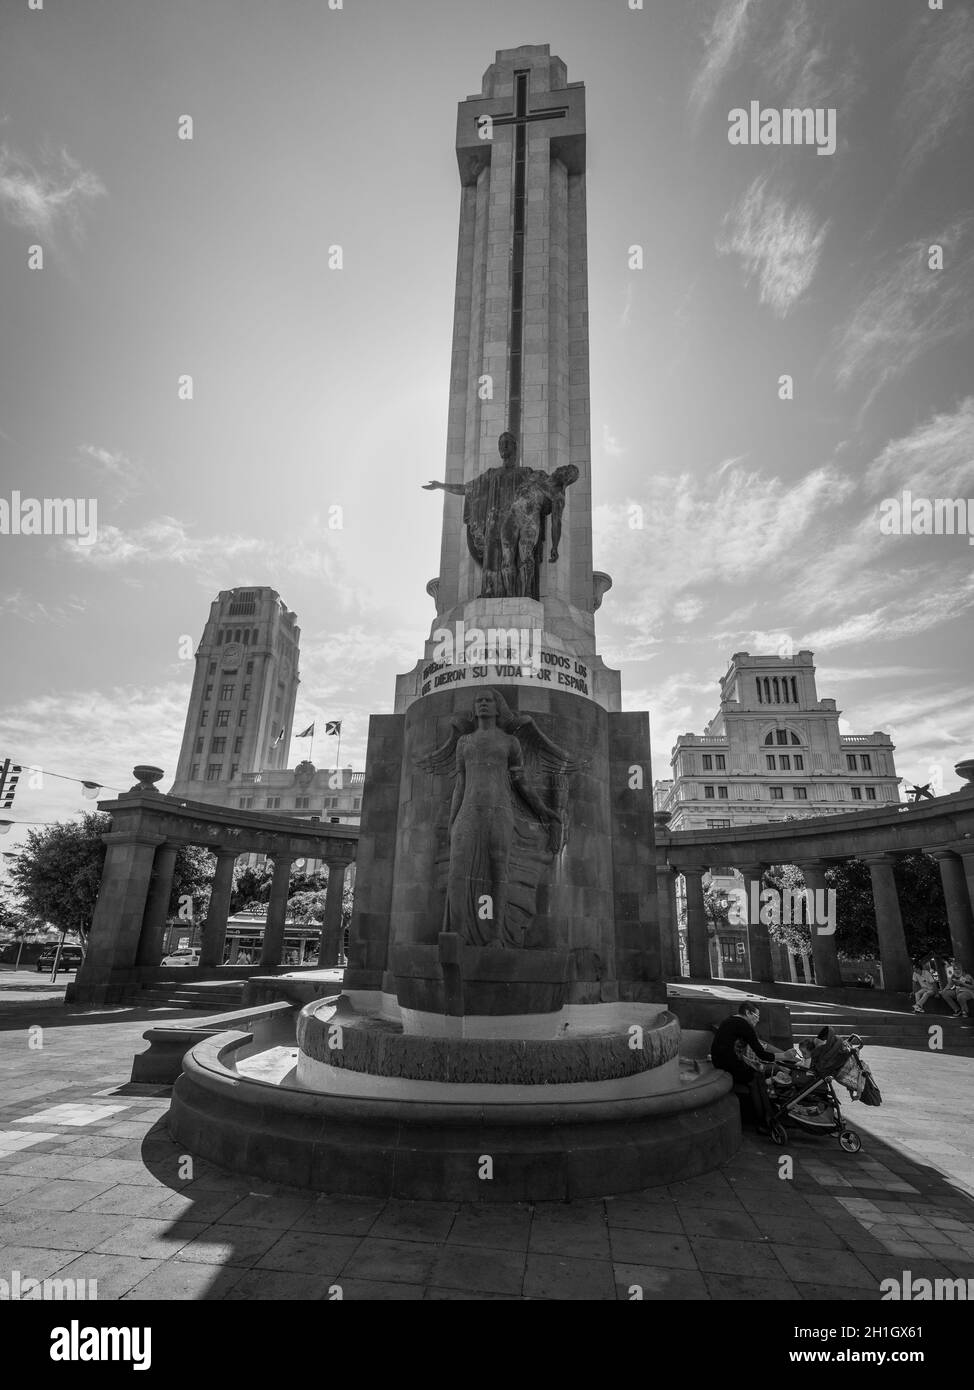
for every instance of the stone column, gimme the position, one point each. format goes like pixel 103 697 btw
pixel 697 944
pixel 332 925
pixel 955 884
pixel 897 969
pixel 825 951
pixel 758 939
pixel 273 947
pixel 669 921
pixel 116 924
pixel 157 906
pixel 215 926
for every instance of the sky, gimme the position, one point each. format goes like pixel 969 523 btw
pixel 316 388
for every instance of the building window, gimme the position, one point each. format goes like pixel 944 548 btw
pixel 357 803
pixel 799 763
pixel 781 736
pixel 226 692
pixel 760 695
pixel 857 793
pixel 800 793
pixel 721 793
pixel 865 762
pixel 850 761
pixel 720 762
pixel 770 761
pixel 219 745
pixel 204 716
pixel 273 803
pixel 777 793
pixel 302 803
pixel 709 793
pixel 796 740
pixel 213 772
pixel 708 763
pixel 786 762
pixel 222 718
pixel 250 668
pixel 208 693
pixel 246 802
pixel 199 746
pixel 194 772
pixel 238 744
pixel 234 769
pixel 246 636
pixel 718 825
pixel 242 717
pixel 245 693
pixel 212 668
pixel 870 793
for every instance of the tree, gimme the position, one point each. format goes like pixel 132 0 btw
pixel 306 907
pixel 58 873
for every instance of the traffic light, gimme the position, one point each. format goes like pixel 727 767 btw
pixel 9 777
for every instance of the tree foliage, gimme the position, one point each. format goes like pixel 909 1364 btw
pixel 57 873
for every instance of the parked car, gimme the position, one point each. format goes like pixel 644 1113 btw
pixel 186 955
pixel 71 958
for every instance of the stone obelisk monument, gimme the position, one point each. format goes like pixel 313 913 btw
pixel 503 1014
pixel 504 881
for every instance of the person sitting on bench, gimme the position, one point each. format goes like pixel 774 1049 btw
pixel 737 1049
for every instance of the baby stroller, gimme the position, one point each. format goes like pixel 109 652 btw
pixel 806 1097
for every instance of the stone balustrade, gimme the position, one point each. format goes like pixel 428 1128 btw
pixel 126 938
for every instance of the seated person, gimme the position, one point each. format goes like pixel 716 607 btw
pixel 926 983
pixel 738 1050
pixel 959 994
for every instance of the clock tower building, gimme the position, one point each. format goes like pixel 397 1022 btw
pixel 241 709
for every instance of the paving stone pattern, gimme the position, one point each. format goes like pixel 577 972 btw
pixel 92 1187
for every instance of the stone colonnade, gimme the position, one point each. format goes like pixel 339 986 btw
pixel 956 865
pixel 125 944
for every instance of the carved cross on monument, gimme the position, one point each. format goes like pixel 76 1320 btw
pixel 519 120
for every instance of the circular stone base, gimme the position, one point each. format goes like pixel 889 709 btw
pixel 410 1150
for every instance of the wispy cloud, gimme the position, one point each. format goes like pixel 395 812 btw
pixel 724 46
pixel 44 197
pixel 112 468
pixel 786 49
pixel 909 309
pixel 939 85
pixel 234 558
pixel 610 444
pixel 31 610
pixel 934 460
pixel 779 245
pixel 801 67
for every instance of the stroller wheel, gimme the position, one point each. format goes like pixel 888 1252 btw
pixel 779 1134
pixel 850 1141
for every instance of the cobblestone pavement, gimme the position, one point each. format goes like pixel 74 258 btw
pixel 91 1187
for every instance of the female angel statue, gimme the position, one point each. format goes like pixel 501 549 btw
pixel 490 854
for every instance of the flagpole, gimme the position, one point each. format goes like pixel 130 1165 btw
pixel 311 753
pixel 338 756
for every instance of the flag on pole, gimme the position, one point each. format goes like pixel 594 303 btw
pixel 278 739
pixel 308 733
pixel 333 726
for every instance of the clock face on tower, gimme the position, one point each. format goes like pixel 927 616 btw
pixel 232 655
